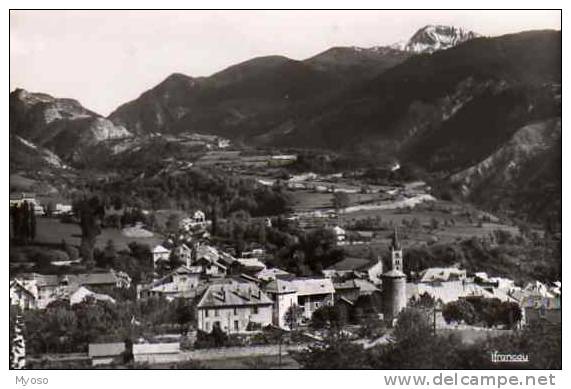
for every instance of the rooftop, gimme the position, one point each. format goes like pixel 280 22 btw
pixel 156 348
pixel 442 274
pixel 451 291
pixel 251 262
pixel 279 285
pixel 233 294
pixel 351 263
pixel 93 279
pixel 160 249
pixel 304 286
pixel 270 274
pixel 207 252
pixel 394 274
pixel 105 349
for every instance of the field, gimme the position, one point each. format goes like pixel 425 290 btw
pixel 306 200
pixel 257 362
pixel 21 183
pixel 237 160
pixel 52 231
pixel 427 222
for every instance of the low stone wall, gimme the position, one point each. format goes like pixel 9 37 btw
pixel 237 352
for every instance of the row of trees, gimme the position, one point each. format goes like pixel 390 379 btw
pixel 534 262
pixel 63 329
pixel 91 212
pixel 491 312
pixel 295 250
pixel 416 347
pixel 23 222
pixel 195 189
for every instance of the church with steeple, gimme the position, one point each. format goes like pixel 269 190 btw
pixel 394 283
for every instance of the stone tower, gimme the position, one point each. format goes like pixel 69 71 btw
pixel 394 283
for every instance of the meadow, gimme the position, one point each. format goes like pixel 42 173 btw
pixel 52 231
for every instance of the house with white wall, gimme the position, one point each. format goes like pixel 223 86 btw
pixel 160 253
pixel 47 288
pixel 284 297
pixel 356 267
pixel 183 253
pixel 308 293
pixel 235 307
pixel 23 294
pixel 184 282
pixel 82 293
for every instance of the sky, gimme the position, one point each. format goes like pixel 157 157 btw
pixel 106 58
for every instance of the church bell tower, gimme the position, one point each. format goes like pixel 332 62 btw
pixel 396 253
pixel 394 283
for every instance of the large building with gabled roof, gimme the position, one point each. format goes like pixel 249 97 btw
pixel 235 307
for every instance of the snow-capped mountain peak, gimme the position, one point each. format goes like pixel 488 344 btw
pixel 432 38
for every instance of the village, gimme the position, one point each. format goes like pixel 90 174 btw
pixel 234 299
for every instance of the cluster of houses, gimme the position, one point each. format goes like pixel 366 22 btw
pixel 37 291
pixel 241 293
pixel 237 293
pixel 17 199
pixel 537 300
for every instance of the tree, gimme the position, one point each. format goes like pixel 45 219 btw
pixel 215 216
pixel 23 222
pixel 71 251
pixel 184 313
pixel 512 314
pixel 216 338
pixel 172 222
pixel 328 316
pixel 459 311
pixel 413 326
pixel 341 200
pixel 109 253
pixel 424 300
pixel 335 352
pixel 293 316
pixel 140 251
pixel 91 214
pixel 32 224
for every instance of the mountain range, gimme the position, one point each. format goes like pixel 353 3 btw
pixel 459 105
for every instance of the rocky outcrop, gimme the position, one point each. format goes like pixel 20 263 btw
pixel 62 126
pixel 434 38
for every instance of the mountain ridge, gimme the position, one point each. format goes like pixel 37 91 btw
pixel 59 125
pixel 445 111
pixel 432 38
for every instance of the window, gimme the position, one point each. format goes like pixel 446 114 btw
pixel 207 326
pixel 206 313
pixel 216 312
pixel 255 309
pixel 235 311
pixel 236 325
